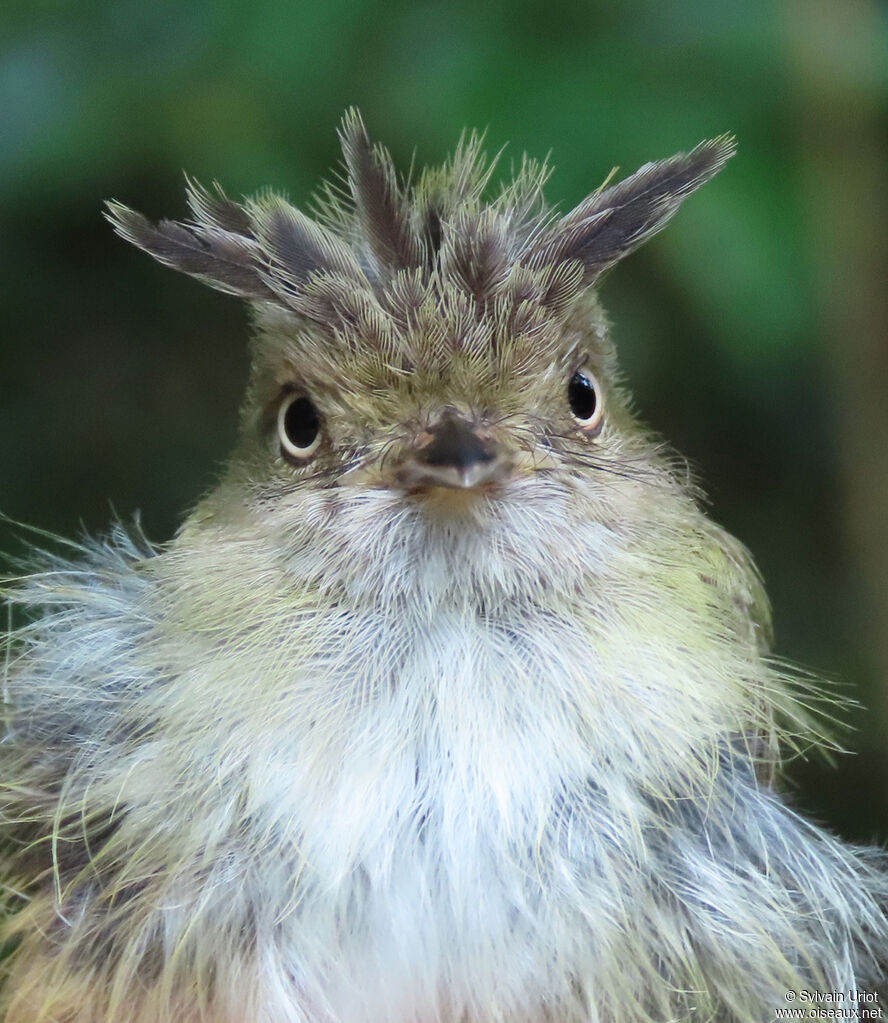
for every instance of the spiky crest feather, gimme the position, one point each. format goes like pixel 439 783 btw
pixel 390 247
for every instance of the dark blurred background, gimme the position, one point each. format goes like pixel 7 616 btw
pixel 754 331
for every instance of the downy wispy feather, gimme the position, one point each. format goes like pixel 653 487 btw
pixel 448 703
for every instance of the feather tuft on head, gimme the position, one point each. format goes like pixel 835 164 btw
pixel 438 233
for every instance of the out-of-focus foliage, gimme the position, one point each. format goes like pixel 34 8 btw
pixel 119 382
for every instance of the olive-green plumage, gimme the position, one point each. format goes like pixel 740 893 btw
pixel 448 703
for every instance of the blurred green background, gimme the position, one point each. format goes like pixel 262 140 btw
pixel 754 331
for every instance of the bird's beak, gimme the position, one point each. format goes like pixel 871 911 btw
pixel 452 454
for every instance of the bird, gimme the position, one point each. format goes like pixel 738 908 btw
pixel 449 703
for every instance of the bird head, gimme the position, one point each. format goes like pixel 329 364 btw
pixel 426 360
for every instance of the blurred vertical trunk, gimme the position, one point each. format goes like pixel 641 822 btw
pixel 837 66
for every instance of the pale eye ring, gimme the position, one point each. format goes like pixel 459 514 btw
pixel 299 427
pixel 585 400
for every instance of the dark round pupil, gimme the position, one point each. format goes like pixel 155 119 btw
pixel 582 397
pixel 301 423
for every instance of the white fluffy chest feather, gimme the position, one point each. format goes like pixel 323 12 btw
pixel 436 800
pixel 404 818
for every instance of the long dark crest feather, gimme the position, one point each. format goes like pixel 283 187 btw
pixel 381 206
pixel 228 262
pixel 215 208
pixel 476 253
pixel 391 248
pixel 295 246
pixel 613 222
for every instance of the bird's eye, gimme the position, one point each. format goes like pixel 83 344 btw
pixel 299 427
pixel 584 397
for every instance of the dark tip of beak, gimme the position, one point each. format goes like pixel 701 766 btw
pixel 455 457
